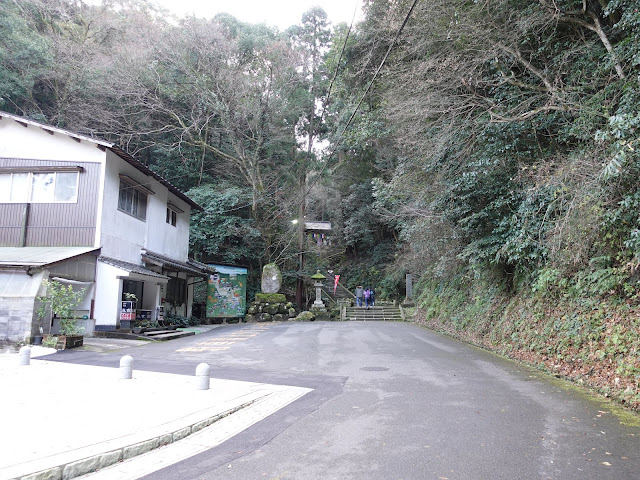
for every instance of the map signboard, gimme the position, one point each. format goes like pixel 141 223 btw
pixel 227 292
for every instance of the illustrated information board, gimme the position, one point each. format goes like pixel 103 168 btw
pixel 227 292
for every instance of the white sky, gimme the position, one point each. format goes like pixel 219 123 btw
pixel 279 13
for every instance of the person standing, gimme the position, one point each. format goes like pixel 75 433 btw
pixel 372 297
pixel 367 297
pixel 359 294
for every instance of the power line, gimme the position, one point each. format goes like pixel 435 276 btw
pixel 344 47
pixel 351 118
pixel 384 59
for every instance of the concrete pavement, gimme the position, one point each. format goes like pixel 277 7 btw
pixel 64 420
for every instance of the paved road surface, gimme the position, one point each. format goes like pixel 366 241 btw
pixel 393 401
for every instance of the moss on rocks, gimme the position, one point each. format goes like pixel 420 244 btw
pixel 270 298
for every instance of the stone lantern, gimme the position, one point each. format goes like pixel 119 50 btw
pixel 318 279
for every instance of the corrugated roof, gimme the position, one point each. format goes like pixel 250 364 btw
pixel 39 256
pixel 110 146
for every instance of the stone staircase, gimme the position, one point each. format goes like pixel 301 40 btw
pixel 388 313
pixel 342 292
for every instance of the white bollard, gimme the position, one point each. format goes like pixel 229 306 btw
pixel 202 376
pixel 25 356
pixel 126 367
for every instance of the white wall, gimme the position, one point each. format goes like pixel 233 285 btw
pixel 17 141
pixel 108 294
pixel 163 237
pixel 123 236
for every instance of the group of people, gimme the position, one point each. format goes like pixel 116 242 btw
pixel 365 297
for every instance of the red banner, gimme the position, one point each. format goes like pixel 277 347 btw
pixel 335 283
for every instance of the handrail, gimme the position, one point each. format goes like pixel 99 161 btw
pixel 327 295
pixel 333 277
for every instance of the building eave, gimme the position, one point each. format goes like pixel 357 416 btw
pixel 102 144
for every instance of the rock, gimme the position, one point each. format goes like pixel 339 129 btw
pixel 271 278
pixel 305 317
pixel 265 317
pixel 272 309
pixel 279 317
pixel 270 298
pixel 250 318
pixel 252 310
pixel 292 313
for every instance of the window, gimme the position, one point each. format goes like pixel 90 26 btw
pixel 176 290
pixel 172 217
pixel 134 287
pixel 132 200
pixel 39 187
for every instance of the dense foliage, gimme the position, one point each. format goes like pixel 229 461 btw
pixel 493 153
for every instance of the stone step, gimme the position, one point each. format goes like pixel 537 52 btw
pixel 385 319
pixel 153 333
pixel 378 313
pixel 168 335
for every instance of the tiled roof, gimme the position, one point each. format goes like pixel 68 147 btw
pixel 130 267
pixel 190 266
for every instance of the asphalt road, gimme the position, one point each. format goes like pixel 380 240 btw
pixel 393 401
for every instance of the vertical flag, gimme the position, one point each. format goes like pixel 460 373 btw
pixel 335 283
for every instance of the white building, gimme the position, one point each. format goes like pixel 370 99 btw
pixel 83 211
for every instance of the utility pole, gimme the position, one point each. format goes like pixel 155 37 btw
pixel 315 22
pixel 301 222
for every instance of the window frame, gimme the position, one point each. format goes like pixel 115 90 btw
pixel 29 183
pixel 172 216
pixel 137 194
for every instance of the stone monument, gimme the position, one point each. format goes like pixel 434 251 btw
pixel 271 279
pixel 269 305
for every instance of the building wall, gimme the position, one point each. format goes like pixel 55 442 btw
pixel 123 236
pixel 94 220
pixel 53 224
pixel 17 305
pixel 50 224
pixel 108 296
pixel 32 142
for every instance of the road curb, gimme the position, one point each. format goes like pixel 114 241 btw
pixel 93 463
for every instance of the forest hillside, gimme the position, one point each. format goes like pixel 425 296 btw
pixel 488 148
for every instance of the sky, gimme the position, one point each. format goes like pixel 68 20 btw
pixel 279 13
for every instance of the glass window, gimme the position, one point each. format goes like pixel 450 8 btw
pixel 172 217
pixel 132 201
pixel 39 187
pixel 42 187
pixel 20 187
pixel 5 187
pixel 66 189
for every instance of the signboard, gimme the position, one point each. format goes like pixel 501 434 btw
pixel 128 310
pixel 227 292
